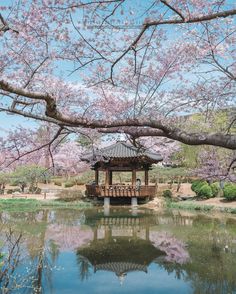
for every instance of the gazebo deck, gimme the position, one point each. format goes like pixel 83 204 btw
pixel 102 191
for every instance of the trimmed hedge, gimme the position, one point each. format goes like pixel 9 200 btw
pixel 69 184
pixel 205 191
pixel 196 185
pixel 230 192
pixel 215 187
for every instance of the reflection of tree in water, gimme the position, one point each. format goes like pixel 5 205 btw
pixel 27 260
pixel 212 269
pixel 175 249
pixel 10 258
pixel 84 267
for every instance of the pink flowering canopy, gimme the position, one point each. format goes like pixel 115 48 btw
pixel 119 66
pixel 175 249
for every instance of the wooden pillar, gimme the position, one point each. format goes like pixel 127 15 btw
pixel 96 177
pixel 107 178
pixel 110 177
pixel 134 177
pixel 146 177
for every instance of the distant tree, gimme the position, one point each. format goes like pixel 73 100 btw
pixel 4 178
pixel 29 176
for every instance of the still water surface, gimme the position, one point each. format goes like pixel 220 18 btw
pixel 84 251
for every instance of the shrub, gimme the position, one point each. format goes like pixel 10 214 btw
pixel 230 192
pixel 215 187
pixel 205 191
pixel 14 183
pixel 69 184
pixel 35 190
pixel 10 191
pixel 167 194
pixel 57 183
pixel 196 185
pixel 80 181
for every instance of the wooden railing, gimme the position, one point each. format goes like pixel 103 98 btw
pixel 120 191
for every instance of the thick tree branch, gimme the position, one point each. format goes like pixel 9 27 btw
pixel 149 127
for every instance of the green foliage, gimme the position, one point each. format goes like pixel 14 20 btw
pixel 188 155
pixel 10 191
pixel 35 190
pixel 190 206
pixel 1 260
pixel 30 175
pixel 3 182
pixel 33 204
pixel 196 185
pixel 205 191
pixel 230 192
pixel 4 178
pixel 215 187
pixel 69 184
pixel 167 194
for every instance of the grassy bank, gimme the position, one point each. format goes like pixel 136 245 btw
pixel 33 204
pixel 190 205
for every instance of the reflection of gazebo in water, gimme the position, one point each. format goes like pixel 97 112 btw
pixel 121 157
pixel 123 243
pixel 120 255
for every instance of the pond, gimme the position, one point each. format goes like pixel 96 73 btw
pixel 125 251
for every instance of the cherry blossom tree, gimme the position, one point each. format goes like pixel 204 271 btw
pixel 118 66
pixel 175 249
pixel 215 166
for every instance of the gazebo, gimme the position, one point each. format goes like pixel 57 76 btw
pixel 121 157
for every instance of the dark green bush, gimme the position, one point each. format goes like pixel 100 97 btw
pixel 215 187
pixel 196 185
pixel 10 191
pixel 205 191
pixel 35 190
pixel 167 194
pixel 69 184
pixel 230 192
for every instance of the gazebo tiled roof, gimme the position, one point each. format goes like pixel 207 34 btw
pixel 120 268
pixel 122 150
